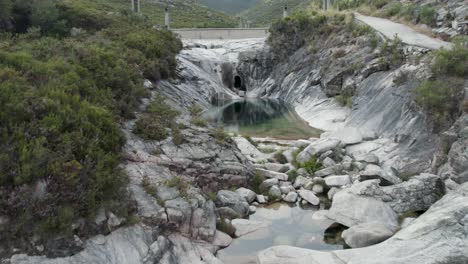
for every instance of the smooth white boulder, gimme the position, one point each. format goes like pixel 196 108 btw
pixel 317 148
pixel 291 197
pixel 309 196
pixel 350 209
pixel 245 226
pixel 273 174
pixel 367 234
pixel 247 194
pixel 347 135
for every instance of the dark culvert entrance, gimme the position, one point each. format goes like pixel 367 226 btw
pixel 238 82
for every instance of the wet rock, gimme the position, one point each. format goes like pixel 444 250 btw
pixel 291 197
pixel 247 194
pixel 337 180
pixel 244 226
pixel 232 200
pixel 367 234
pixel 309 196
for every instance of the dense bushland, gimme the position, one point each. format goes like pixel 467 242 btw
pixel 61 99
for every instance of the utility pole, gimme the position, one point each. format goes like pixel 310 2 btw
pixel 136 7
pixel 167 18
pixel 285 11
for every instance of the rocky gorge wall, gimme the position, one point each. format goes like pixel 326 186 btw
pixel 382 96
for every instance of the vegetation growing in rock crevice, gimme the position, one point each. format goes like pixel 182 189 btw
pixel 61 97
pixel 442 96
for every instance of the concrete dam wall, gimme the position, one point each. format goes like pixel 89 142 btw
pixel 221 33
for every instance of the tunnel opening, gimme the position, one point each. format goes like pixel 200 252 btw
pixel 238 83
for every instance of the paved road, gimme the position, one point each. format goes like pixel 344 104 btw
pixel 406 34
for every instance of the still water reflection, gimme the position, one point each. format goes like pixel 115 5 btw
pixel 262 118
pixel 288 225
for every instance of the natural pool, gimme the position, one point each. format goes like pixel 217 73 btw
pixel 288 225
pixel 262 118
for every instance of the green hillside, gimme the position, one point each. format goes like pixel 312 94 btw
pixel 267 11
pixel 230 6
pixel 71 71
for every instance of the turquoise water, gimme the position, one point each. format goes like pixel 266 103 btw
pixel 262 118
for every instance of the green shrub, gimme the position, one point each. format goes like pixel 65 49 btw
pixel 292 175
pixel 158 117
pixel 220 135
pixel 344 100
pixel 257 180
pixel 311 166
pixel 440 98
pixel 428 15
pixel 148 187
pixel 180 184
pixel 392 50
pixel 452 62
pixel 177 136
pixel 393 9
pixel 226 227
pixel 280 158
pixel 294 156
pixel 195 110
pixel 200 122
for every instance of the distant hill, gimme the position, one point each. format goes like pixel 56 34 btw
pixel 230 6
pixel 184 13
pixel 266 11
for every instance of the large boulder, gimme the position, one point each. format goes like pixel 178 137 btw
pixel 232 200
pixel 366 234
pixel 347 135
pixel 438 236
pixel 317 148
pixel 247 194
pixel 350 209
pixel 245 226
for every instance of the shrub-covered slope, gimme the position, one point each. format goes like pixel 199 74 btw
pixel 229 6
pixel 62 96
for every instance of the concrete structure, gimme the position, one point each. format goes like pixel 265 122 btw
pixel 222 33
pixel 136 6
pixel 167 18
pixel 285 12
